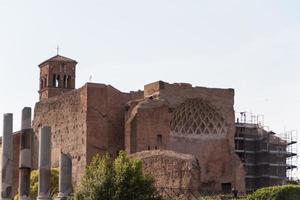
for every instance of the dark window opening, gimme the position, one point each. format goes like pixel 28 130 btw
pixel 65 81
pixel 159 140
pixel 155 147
pixel 68 81
pixel 41 84
pixel 55 80
pixel 149 148
pixel 45 82
pixel 226 188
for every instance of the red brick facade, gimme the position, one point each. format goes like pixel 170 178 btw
pixel 98 118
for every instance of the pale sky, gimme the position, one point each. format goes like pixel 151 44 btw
pixel 251 46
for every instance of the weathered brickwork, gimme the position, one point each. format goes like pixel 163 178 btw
pixel 98 118
pixel 195 120
pixel 105 120
pixel 171 169
pixel 66 114
pixel 147 126
pixel 84 122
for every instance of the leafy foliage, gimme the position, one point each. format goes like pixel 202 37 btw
pixel 287 192
pixel 116 180
pixel 34 182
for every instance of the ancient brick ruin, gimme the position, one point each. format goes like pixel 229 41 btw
pixel 180 124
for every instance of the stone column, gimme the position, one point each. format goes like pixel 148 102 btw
pixel 44 163
pixel 65 176
pixel 25 155
pixel 7 153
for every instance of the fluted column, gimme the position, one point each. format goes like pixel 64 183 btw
pixel 7 154
pixel 44 163
pixel 25 155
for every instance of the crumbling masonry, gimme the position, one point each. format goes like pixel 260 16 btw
pixel 180 124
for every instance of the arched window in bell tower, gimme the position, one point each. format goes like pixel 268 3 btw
pixel 69 79
pixel 65 81
pixel 56 80
pixel 45 82
pixel 41 83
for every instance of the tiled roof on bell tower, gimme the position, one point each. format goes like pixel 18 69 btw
pixel 58 58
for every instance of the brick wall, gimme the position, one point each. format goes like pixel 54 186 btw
pixel 66 114
pixel 215 151
pixel 105 120
pixel 147 128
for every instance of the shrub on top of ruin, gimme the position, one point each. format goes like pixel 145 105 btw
pixel 34 181
pixel 286 192
pixel 120 179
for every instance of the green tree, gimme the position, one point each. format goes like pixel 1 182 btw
pixel 286 192
pixel 116 180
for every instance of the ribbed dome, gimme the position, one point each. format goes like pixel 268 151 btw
pixel 196 117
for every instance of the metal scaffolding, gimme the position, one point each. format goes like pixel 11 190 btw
pixel 290 136
pixel 268 159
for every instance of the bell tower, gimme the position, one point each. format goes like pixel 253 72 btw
pixel 57 75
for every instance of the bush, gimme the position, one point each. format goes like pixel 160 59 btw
pixel 117 180
pixel 34 182
pixel 287 192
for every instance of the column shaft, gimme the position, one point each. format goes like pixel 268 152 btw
pixel 7 154
pixel 65 176
pixel 25 155
pixel 44 163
